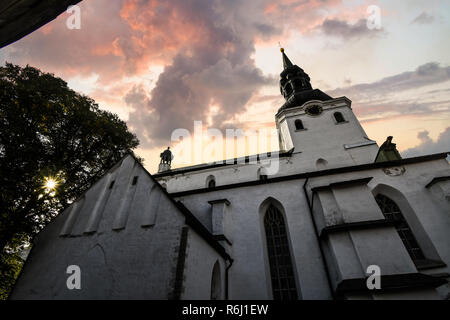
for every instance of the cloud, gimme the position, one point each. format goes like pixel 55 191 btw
pixel 391 95
pixel 424 75
pixel 173 62
pixel 346 30
pixel 96 47
pixel 423 18
pixel 428 146
pixel 213 69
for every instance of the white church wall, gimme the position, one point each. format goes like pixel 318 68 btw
pixel 250 274
pixel 198 269
pixel 430 220
pixel 128 263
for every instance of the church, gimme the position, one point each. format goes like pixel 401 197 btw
pixel 341 213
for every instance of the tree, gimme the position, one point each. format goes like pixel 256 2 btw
pixel 54 143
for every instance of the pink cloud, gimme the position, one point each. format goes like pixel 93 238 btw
pixel 205 46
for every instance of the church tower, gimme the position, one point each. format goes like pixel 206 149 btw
pixel 323 131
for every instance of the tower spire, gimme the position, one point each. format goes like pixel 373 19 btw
pixel 286 62
pixel 295 85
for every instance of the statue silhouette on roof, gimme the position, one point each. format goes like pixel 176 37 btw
pixel 166 156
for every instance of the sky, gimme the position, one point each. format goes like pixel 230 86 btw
pixel 163 65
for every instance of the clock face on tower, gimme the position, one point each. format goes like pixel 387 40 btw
pixel 313 110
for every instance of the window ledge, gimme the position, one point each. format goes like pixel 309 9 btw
pixel 301 129
pixel 342 122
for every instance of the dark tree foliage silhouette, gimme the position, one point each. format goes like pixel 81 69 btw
pixel 47 130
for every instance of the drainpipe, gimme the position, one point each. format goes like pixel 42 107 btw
pixel 226 277
pixel 310 209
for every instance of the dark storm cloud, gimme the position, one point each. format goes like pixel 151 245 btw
pixel 213 68
pixel 345 30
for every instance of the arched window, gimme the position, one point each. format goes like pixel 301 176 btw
pixel 281 270
pixel 299 125
pixel 392 212
pixel 210 182
pixel 216 287
pixel 339 117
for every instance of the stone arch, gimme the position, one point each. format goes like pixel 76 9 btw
pixel 321 163
pixel 411 218
pixel 216 282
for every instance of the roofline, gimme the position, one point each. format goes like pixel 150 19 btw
pixel 190 218
pixel 313 174
pixel 223 163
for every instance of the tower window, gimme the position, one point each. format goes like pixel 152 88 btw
pixel 339 117
pixel 135 179
pixel 299 125
pixel 281 270
pixel 111 185
pixel 392 213
pixel 211 182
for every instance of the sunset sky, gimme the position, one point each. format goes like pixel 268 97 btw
pixel 163 64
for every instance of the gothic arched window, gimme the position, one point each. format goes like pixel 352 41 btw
pixel 392 212
pixel 216 287
pixel 299 125
pixel 281 270
pixel 339 117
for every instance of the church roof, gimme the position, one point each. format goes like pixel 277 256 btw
pixel 223 163
pixel 298 99
pixel 318 173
